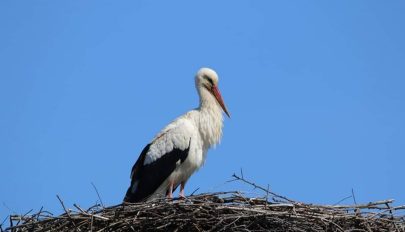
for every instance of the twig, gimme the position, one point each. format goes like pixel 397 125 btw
pixel 2 223
pixel 345 198
pixel 89 214
pixel 98 194
pixel 192 194
pixel 66 211
pixel 267 196
pixel 354 198
pixel 259 187
pixel 12 211
pixel 370 205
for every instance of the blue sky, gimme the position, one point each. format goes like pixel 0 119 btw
pixel 315 89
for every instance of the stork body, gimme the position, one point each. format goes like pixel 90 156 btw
pixel 181 147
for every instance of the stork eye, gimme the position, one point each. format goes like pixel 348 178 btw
pixel 209 79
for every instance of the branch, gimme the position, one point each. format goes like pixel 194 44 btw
pixel 236 177
pixel 98 194
pixel 67 211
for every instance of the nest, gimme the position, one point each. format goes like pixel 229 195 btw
pixel 221 211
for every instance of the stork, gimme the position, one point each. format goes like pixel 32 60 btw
pixel 181 147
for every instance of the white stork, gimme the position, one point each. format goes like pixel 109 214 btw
pixel 181 147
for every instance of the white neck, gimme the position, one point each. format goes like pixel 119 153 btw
pixel 210 118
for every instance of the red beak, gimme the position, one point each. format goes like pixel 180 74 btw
pixel 218 96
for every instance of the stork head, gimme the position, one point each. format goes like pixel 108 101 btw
pixel 206 82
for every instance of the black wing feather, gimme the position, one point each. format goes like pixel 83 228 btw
pixel 149 177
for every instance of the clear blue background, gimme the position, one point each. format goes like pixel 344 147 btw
pixel 316 90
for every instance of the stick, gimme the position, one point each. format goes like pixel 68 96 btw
pixel 67 212
pixel 192 194
pixel 354 198
pixel 259 187
pixel 98 194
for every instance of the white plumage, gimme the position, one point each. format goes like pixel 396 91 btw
pixel 181 147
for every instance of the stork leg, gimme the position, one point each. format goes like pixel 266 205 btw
pixel 181 193
pixel 169 193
